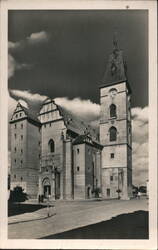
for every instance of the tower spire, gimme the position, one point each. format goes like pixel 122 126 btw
pixel 116 67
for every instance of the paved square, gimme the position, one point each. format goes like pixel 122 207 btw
pixel 69 215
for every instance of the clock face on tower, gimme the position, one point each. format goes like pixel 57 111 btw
pixel 113 92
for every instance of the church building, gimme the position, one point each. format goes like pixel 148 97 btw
pixel 54 153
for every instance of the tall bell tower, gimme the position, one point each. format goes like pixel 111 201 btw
pixel 115 128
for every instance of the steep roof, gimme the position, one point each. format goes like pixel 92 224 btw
pixel 116 68
pixel 31 114
pixel 76 125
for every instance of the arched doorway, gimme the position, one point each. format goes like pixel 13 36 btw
pixel 46 187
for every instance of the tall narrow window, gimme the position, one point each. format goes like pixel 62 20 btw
pixel 51 145
pixel 113 134
pixel 112 110
pixel 21 126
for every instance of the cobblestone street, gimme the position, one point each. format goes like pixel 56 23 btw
pixel 69 215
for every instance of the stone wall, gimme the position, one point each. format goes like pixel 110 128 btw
pixel 79 171
pixel 116 155
pixel 24 149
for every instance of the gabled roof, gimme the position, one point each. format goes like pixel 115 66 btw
pixel 31 115
pixel 76 125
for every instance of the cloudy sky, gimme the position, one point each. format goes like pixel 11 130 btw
pixel 63 54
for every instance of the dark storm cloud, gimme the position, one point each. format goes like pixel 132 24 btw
pixel 72 61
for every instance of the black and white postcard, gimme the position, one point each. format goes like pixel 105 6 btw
pixel 79 125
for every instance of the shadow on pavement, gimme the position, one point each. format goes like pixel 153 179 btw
pixel 16 209
pixel 125 226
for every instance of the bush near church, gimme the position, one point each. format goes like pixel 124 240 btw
pixel 18 195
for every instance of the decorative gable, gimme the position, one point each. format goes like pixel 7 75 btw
pixel 19 113
pixel 49 111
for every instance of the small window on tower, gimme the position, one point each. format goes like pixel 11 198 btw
pixel 15 149
pixel 15 160
pixel 21 151
pixel 51 145
pixel 78 151
pixel 111 178
pixel 15 126
pixel 113 134
pixel 21 179
pixel 15 136
pixel 21 137
pixel 16 115
pixel 112 111
pixel 21 126
pixel 78 169
pixel 112 155
pixel 15 176
pixel 21 162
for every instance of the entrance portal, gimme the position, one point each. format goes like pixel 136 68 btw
pixel 47 190
pixel 46 187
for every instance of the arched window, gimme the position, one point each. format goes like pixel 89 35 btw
pixel 113 134
pixel 51 146
pixel 112 110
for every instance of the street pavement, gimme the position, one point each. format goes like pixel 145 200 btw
pixel 68 215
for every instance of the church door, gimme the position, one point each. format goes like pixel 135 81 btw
pixel 46 187
pixel 47 190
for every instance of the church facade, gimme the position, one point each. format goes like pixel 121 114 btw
pixel 54 153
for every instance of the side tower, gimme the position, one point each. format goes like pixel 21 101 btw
pixel 115 129
pixel 25 137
